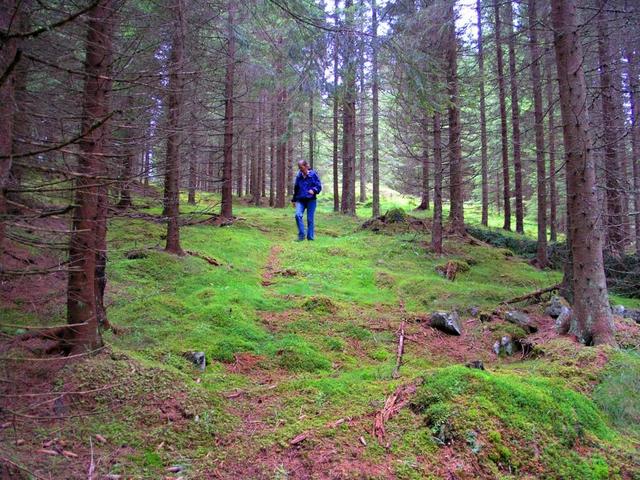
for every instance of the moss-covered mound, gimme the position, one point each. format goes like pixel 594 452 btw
pixel 519 424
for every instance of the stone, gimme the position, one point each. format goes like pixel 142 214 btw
pixel 197 358
pixel 554 307
pixel 505 346
pixel 447 322
pixel 474 311
pixel 475 364
pixel 522 320
pixel 618 310
pixel 563 320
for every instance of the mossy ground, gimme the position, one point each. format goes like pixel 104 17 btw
pixel 311 351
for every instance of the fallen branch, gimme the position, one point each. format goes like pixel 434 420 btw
pixel 400 351
pixel 209 260
pixel 392 406
pixel 535 294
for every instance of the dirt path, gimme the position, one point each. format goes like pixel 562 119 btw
pixel 272 266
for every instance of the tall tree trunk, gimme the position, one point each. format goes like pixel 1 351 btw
pixel 436 229
pixel 311 130
pixel 290 158
pixel 591 321
pixel 483 124
pixel 262 148
pixel 281 149
pixel 89 219
pixel 503 120
pixel 515 120
pixel 362 170
pixel 239 167
pixel 614 217
pixel 348 204
pixel 174 138
pixel 541 176
pixel 375 142
pixel 193 165
pixel 9 56
pixel 336 38
pixel 126 176
pixel 456 192
pixel 273 112
pixel 553 190
pixel 632 75
pixel 227 163
pixel 255 162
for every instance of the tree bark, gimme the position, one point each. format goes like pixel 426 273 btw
pixel 174 138
pixel 362 170
pixel 553 190
pixel 632 76
pixel 515 120
pixel 506 195
pixel 89 219
pixel 483 124
pixel 456 192
pixel 538 114
pixel 375 142
pixel 591 321
pixel 8 54
pixel 336 38
pixel 281 150
pixel 227 163
pixel 348 201
pixel 614 218
pixel 436 229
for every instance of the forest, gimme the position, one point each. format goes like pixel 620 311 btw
pixel 320 239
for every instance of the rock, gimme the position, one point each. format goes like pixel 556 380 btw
pixel 447 322
pixel 505 346
pixel 472 441
pixel 197 358
pixel 562 322
pixel 618 310
pixel 474 311
pixel 521 319
pixel 554 307
pixel 630 313
pixel 475 364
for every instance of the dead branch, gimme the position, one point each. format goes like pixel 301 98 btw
pixel 392 406
pixel 536 295
pixel 400 351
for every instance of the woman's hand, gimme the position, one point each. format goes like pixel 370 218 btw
pixel 311 192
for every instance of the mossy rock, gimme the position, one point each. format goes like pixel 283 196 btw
pixel 320 304
pixel 499 330
pixel 395 215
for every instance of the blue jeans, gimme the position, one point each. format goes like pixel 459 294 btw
pixel 310 206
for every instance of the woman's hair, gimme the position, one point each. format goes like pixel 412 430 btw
pixel 303 162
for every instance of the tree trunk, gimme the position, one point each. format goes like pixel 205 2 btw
pixel 375 142
pixel 541 176
pixel 239 167
pixel 281 150
pixel 348 203
pixel 632 75
pixel 614 218
pixel 483 124
pixel 272 152
pixel 227 163
pixel 456 192
pixel 436 229
pixel 89 219
pixel 175 99
pixel 336 38
pixel 506 196
pixel 311 130
pixel 553 190
pixel 126 176
pixel 8 57
pixel 362 170
pixel 515 120
pixel 591 321
pixel 255 163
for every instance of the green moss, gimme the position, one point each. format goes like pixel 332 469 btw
pixel 526 409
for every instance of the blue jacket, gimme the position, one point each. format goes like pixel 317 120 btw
pixel 304 184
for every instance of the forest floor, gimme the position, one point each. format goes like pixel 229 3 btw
pixel 301 341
